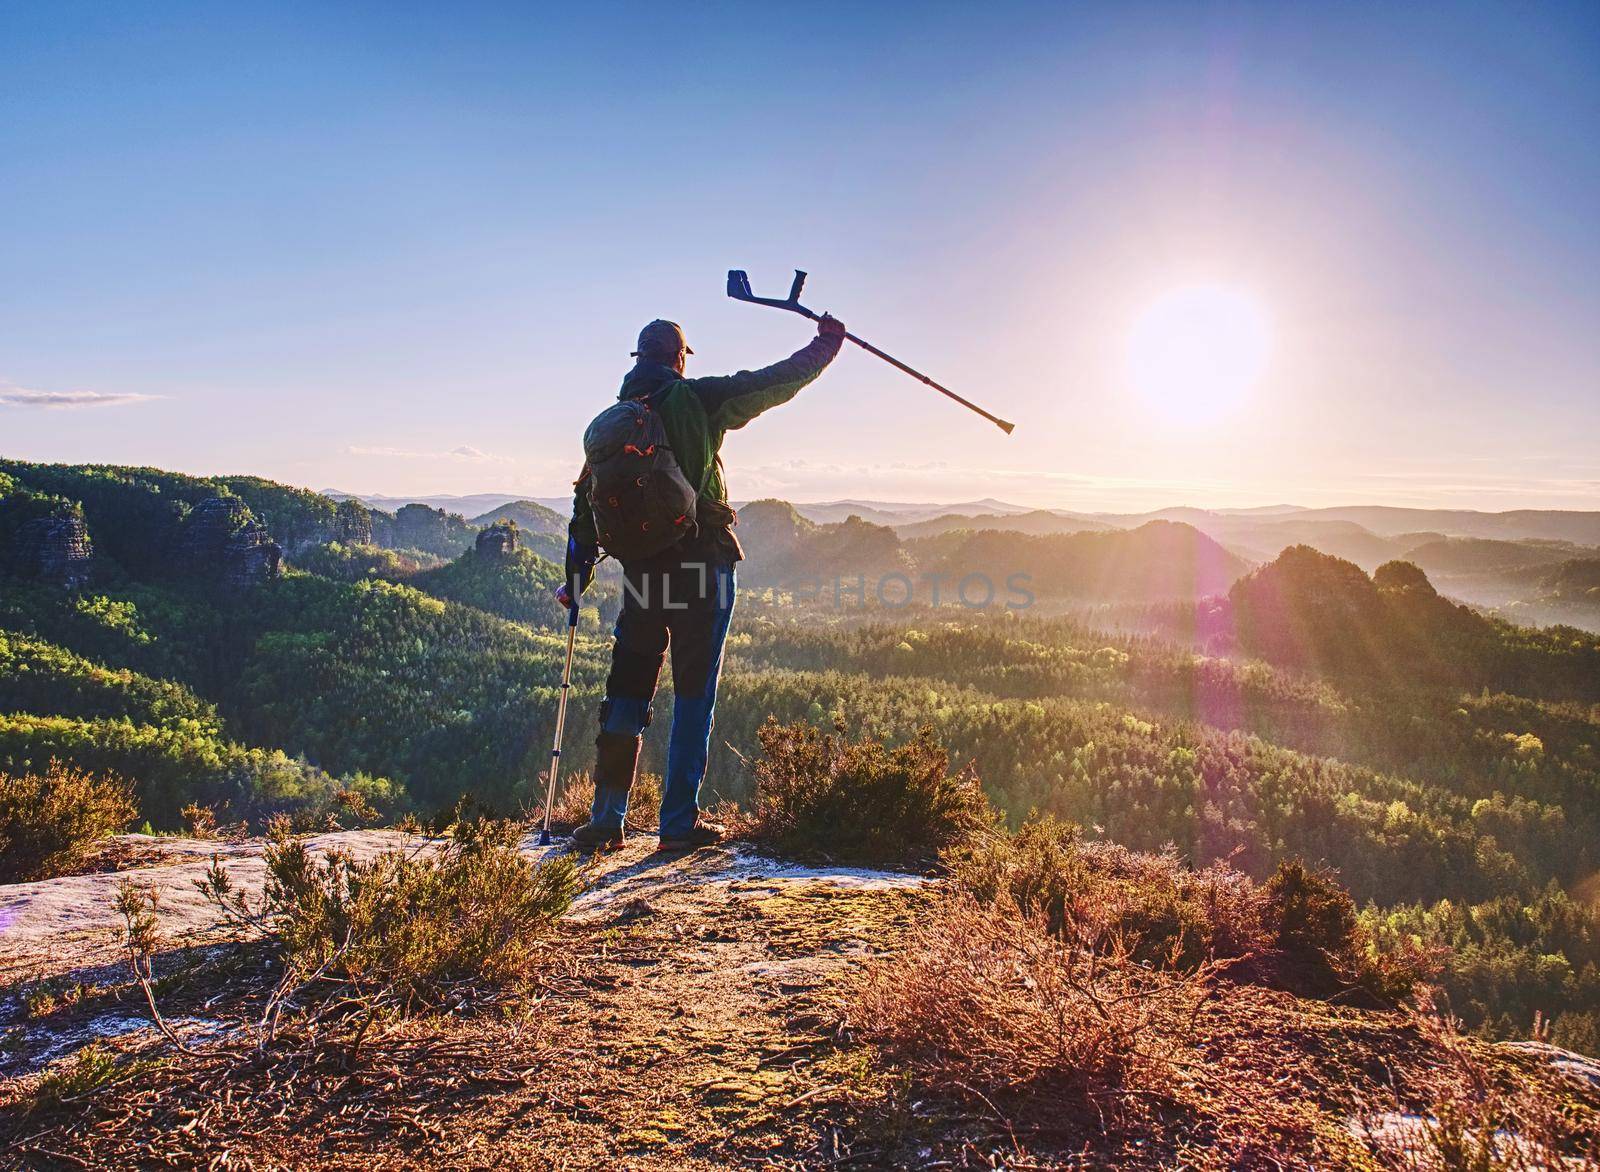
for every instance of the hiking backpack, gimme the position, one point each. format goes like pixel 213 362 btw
pixel 641 500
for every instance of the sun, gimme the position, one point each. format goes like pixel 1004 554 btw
pixel 1196 351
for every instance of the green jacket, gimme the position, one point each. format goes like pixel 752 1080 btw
pixel 696 414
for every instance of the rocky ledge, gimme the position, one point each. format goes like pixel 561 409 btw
pixel 696 1014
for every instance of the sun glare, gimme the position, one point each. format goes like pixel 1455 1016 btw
pixel 1197 351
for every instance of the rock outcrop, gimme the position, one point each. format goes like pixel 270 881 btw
pixel 353 521
pixel 499 540
pixel 699 1025
pixel 54 549
pixel 252 557
pixel 221 541
pixel 419 527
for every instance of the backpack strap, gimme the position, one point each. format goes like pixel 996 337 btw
pixel 710 510
pixel 723 513
pixel 715 463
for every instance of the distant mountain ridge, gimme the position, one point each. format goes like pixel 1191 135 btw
pixel 1578 526
pixel 899 513
pixel 1581 527
pixel 472 505
pixel 1481 558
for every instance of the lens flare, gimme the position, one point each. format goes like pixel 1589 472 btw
pixel 1196 352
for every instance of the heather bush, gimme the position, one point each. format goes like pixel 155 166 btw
pixel 51 821
pixel 1314 923
pixel 1298 931
pixel 820 795
pixel 1040 869
pixel 1081 985
pixel 1165 913
pixel 396 931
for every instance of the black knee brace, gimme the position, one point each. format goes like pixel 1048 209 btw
pixel 633 673
pixel 615 759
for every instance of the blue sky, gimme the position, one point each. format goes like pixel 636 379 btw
pixel 405 248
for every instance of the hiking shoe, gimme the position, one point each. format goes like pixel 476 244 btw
pixel 597 838
pixel 703 834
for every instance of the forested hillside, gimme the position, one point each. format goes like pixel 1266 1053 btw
pixel 314 683
pixel 1157 561
pixel 1446 764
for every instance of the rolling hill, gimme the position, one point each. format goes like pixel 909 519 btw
pixel 1156 562
pixel 530 516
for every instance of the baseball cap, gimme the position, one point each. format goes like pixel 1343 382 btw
pixel 661 335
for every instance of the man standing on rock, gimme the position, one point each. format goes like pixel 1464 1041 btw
pixel 681 594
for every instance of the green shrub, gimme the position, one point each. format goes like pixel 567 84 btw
pixel 51 821
pixel 395 931
pixel 84 1072
pixel 823 796
pixel 1314 920
pixel 1322 948
pixel 42 998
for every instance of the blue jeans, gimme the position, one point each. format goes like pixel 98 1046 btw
pixel 689 608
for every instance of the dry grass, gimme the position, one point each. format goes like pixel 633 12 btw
pixel 1061 980
pixel 1082 989
pixel 417 1079
pixel 51 822
pixel 1076 1046
pixel 1476 1115
pixel 1164 913
pixel 1001 1006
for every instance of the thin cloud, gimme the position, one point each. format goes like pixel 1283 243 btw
pixel 67 400
pixel 465 452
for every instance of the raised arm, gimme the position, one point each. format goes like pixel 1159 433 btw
pixel 733 400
